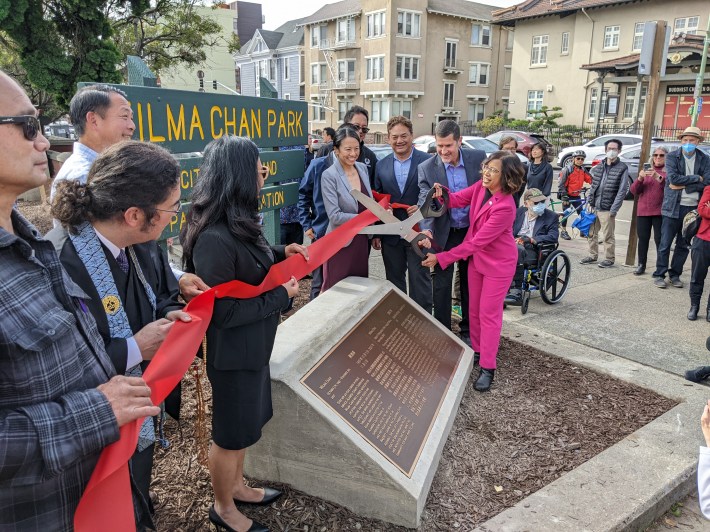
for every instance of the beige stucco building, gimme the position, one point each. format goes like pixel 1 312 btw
pixel 425 59
pixel 568 52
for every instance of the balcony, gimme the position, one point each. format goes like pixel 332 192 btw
pixel 452 66
pixel 345 85
pixel 451 108
pixel 335 44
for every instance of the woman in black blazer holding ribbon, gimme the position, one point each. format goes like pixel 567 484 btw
pixel 224 242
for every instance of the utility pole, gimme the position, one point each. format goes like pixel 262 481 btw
pixel 697 95
pixel 649 118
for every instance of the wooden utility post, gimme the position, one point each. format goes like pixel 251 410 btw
pixel 649 117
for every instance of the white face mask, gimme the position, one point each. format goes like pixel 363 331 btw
pixel 612 154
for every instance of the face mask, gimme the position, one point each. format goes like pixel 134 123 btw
pixel 612 154
pixel 688 147
pixel 538 209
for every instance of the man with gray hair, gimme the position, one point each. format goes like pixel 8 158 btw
pixel 455 169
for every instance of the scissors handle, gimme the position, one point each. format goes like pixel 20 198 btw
pixel 415 245
pixel 433 208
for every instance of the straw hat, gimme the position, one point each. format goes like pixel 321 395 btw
pixel 693 132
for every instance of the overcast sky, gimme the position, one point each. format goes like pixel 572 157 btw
pixel 277 12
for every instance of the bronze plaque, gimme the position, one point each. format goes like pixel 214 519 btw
pixel 387 378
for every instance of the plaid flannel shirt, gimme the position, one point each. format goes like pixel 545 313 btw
pixel 53 421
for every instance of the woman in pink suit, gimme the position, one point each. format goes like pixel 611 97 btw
pixel 494 254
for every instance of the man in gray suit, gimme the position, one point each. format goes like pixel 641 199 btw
pixel 456 169
pixel 396 175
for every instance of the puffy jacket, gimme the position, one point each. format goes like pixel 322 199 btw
pixel 610 195
pixel 572 179
pixel 675 168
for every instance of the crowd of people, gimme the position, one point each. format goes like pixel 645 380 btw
pixel 86 307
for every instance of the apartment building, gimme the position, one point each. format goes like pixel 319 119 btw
pixel 425 59
pixel 270 64
pixel 583 56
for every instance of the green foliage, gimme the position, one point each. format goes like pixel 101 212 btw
pixel 168 33
pixel 545 118
pixel 490 125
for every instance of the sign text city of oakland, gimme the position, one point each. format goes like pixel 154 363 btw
pixel 185 121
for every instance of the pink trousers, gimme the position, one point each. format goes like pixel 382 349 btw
pixel 486 296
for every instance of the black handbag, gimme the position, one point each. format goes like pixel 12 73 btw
pixel 691 223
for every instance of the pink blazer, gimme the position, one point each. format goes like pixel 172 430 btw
pixel 489 239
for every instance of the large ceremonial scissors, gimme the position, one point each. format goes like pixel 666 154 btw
pixel 431 208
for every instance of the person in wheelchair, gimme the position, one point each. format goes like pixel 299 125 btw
pixel 534 225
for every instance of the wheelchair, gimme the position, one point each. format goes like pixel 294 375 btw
pixel 550 275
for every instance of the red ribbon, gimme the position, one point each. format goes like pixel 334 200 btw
pixel 107 502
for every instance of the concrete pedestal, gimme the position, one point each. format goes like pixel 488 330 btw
pixel 308 446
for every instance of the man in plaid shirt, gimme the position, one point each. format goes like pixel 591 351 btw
pixel 60 401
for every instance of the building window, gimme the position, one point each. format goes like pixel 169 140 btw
pixel 376 24
pixel 323 73
pixel 564 47
pixel 510 40
pixel 402 107
pixel 287 68
pixel 408 23
pixel 345 30
pixel 538 55
pixel 638 36
pixel 346 71
pixel 611 38
pixel 481 35
pixel 506 76
pixel 318 34
pixel 534 101
pixel 380 110
pixel 343 107
pixel 318 113
pixel 449 94
pixel 478 73
pixel 450 60
pixel 315 69
pixel 476 111
pixel 686 25
pixel 375 68
pixel 287 96
pixel 272 70
pixel 629 102
pixel 593 103
pixel 407 68
pixel 259 46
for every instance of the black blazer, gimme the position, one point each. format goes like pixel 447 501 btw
pixel 545 231
pixel 242 331
pixel 433 171
pixel 386 183
pixel 156 269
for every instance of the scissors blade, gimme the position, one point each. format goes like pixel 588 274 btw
pixel 371 205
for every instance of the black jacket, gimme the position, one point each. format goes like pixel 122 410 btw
pixel 608 194
pixel 546 229
pixel 242 331
pixel 540 176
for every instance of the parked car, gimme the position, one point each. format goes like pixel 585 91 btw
pixel 632 156
pixel 60 129
pixel 380 150
pixel 525 141
pixel 479 143
pixel 314 142
pixel 596 147
pixel 422 143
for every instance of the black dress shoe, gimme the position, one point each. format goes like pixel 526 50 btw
pixel 270 495
pixel 476 358
pixel 693 312
pixel 485 379
pixel 219 523
pixel 698 374
pixel 640 270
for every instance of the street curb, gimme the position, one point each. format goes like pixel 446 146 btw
pixel 629 485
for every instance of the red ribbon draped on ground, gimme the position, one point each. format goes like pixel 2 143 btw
pixel 107 503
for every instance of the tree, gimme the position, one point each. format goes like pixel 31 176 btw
pixel 168 33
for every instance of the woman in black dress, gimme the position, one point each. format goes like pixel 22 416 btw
pixel 224 242
pixel 540 174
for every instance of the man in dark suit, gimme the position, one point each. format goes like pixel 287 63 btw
pixel 396 175
pixel 535 224
pixel 456 169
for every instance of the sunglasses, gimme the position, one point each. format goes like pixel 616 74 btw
pixel 264 172
pixel 659 154
pixel 30 124
pixel 539 202
pixel 579 158
pixel 359 128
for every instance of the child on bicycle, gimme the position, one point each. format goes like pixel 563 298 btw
pixel 572 180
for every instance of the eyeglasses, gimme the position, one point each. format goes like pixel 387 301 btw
pixel 539 202
pixel 659 154
pixel 489 170
pixel 174 212
pixel 579 158
pixel 359 128
pixel 30 124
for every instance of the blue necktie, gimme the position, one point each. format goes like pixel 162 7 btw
pixel 122 261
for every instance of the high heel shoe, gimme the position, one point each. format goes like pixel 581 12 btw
pixel 219 523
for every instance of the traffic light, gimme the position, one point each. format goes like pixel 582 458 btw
pixel 214 84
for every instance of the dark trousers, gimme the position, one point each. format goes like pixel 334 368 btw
pixel 671 230
pixel 577 204
pixel 291 234
pixel 401 261
pixel 644 224
pixel 699 263
pixel 141 467
pixel 316 282
pixel 443 281
pixel 527 254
